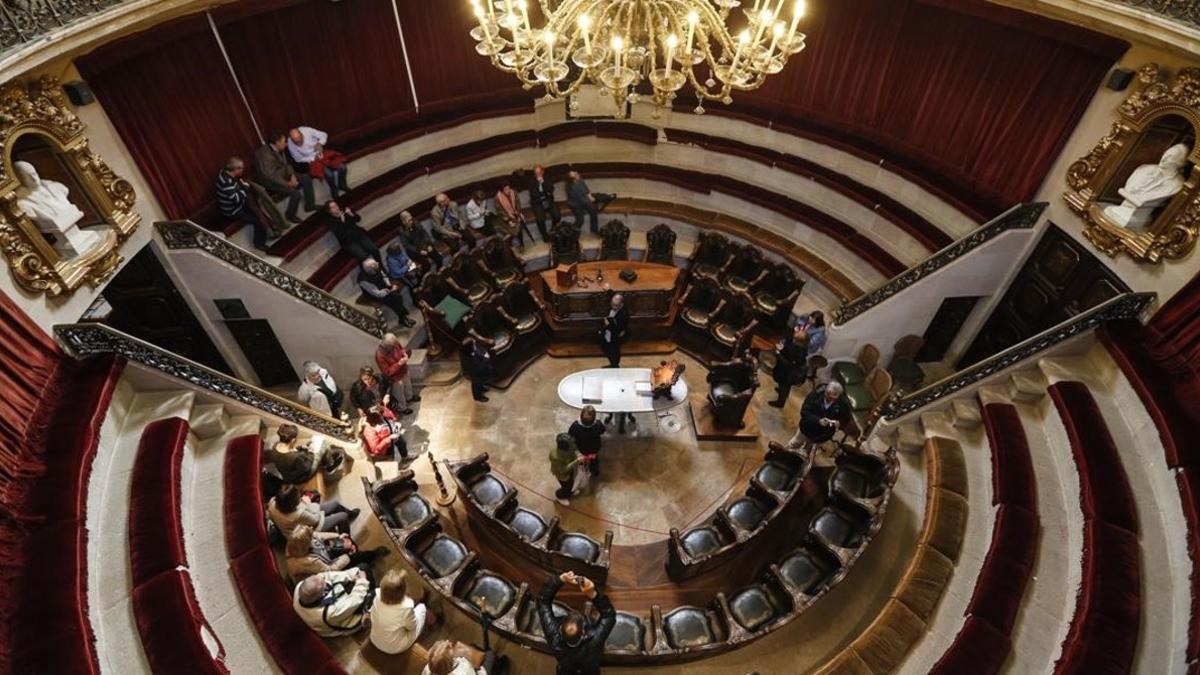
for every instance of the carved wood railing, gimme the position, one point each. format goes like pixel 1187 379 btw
pixel 184 234
pixel 82 340
pixel 27 20
pixel 1019 217
pixel 1125 306
pixel 1183 11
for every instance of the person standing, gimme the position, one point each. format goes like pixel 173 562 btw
pixel 306 145
pixel 813 325
pixel 588 433
pixel 541 198
pixel 582 202
pixel 616 326
pixel 319 391
pixel 508 204
pixel 577 642
pixel 791 361
pixel 825 410
pixel 564 457
pixel 476 361
pixel 278 176
pixel 392 359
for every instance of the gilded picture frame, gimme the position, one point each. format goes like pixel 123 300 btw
pixel 1172 232
pixel 37 112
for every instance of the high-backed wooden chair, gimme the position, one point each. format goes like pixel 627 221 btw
pixel 711 256
pixel 745 270
pixel 470 283
pixel 854 372
pixel 701 301
pixel 614 241
pixel 734 325
pixel 660 245
pixel 903 366
pixel 443 310
pixel 777 293
pixel 489 324
pixel 522 306
pixel 564 245
pixel 731 387
pixel 872 390
pixel 500 262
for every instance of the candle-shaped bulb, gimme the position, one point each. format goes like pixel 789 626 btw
pixel 799 8
pixel 744 37
pixel 617 43
pixel 672 41
pixel 585 22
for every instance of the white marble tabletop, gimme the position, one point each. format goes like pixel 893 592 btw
pixel 615 390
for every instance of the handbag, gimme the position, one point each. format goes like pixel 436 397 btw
pixel 583 477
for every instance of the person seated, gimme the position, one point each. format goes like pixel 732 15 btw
pixel 334 603
pixel 291 508
pixel 477 216
pixel 825 410
pixel 403 268
pixel 449 223
pixel 318 390
pixel 383 434
pixel 307 147
pixel 279 177
pixel 508 205
pixel 418 243
pixel 310 553
pixel 396 619
pixel 450 657
pixel 370 390
pixel 236 201
pixel 376 285
pixel 576 642
pixel 343 223
pixel 297 464
pixel 392 359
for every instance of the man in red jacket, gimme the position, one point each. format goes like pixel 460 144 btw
pixel 392 359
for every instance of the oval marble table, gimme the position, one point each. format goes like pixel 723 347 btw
pixel 615 391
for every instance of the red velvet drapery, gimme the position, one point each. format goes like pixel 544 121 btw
pixel 974 98
pixel 170 97
pixel 1173 340
pixel 29 362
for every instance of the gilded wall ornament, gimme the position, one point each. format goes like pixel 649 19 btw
pixel 63 211
pixel 1138 189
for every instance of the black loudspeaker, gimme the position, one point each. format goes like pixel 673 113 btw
pixel 79 92
pixel 1120 79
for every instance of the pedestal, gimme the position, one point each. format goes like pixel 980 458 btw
pixel 707 430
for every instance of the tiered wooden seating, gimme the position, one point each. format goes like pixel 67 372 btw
pixel 985 641
pixel 496 513
pixel 768 507
pixel 893 633
pixel 53 634
pixel 169 620
pixel 293 645
pixel 834 542
pixel 1103 635
pixel 1156 389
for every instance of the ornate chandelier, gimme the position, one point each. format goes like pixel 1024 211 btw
pixel 619 44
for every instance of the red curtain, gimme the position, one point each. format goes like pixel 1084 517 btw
pixel 1173 341
pixel 169 96
pixel 984 100
pixel 334 66
pixel 29 360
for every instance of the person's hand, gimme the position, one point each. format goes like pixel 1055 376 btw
pixel 387 398
pixel 396 436
pixel 293 182
pixel 306 499
pixel 587 586
pixel 348 211
pixel 824 421
pixel 568 577
pixel 360 574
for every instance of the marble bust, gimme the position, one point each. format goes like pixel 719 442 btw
pixel 1149 187
pixel 47 205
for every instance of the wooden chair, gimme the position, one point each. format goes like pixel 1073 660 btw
pixel 701 301
pixel 468 279
pixel 854 372
pixel 745 270
pixel 903 366
pixel 660 245
pixel 735 324
pixel 500 262
pixel 873 389
pixel 777 293
pixel 614 241
pixel 710 258
pixel 564 245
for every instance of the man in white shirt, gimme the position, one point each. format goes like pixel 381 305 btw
pixel 318 390
pixel 306 146
pixel 333 603
pixel 477 215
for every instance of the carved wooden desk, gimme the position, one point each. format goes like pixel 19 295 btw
pixel 650 296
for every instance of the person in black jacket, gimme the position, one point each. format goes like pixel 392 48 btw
pixel 343 223
pixel 576 642
pixel 476 361
pixel 825 410
pixel 616 325
pixel 791 356
pixel 541 198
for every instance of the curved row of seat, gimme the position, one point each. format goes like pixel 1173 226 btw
pixel 175 636
pixel 493 508
pixel 295 648
pixel 768 506
pixel 911 604
pixel 924 232
pixel 1154 386
pixel 1103 635
pixel 54 634
pixel 984 643
pixel 835 538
